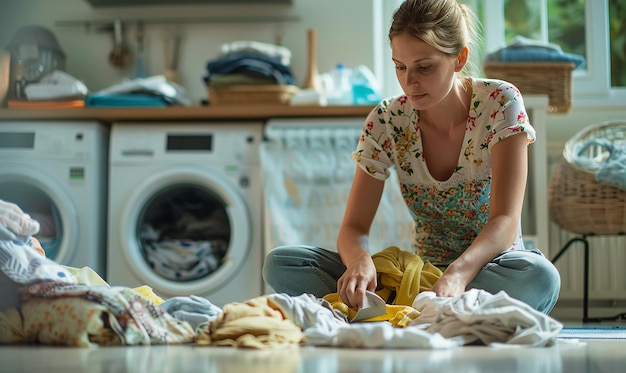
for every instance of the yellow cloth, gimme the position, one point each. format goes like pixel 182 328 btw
pixel 404 273
pixel 401 273
pixel 147 292
pixel 88 276
pixel 397 315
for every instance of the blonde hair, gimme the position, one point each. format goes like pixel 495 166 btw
pixel 445 25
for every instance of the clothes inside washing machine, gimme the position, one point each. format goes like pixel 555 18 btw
pixel 184 233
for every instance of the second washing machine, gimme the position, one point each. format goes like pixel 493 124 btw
pixel 185 204
pixel 56 172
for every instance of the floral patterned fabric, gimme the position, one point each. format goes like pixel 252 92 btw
pixel 81 315
pixel 448 214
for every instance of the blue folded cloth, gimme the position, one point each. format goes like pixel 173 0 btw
pixel 125 100
pixel 252 65
pixel 522 49
pixel 528 54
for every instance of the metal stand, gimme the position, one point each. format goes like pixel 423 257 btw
pixel 586 318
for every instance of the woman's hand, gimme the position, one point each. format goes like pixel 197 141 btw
pixel 358 277
pixel 452 283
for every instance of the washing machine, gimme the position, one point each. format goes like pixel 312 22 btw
pixel 185 204
pixel 56 172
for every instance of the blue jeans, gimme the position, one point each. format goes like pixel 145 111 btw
pixel 526 275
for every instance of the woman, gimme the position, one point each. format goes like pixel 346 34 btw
pixel 459 146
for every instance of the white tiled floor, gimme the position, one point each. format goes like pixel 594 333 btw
pixel 590 356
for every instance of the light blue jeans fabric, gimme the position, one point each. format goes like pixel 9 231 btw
pixel 526 275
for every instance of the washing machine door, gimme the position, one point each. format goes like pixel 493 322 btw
pixel 185 231
pixel 41 195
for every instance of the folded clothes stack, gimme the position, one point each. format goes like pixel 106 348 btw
pixel 152 91
pixel 522 49
pixel 250 63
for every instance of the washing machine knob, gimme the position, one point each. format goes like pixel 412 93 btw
pixel 244 182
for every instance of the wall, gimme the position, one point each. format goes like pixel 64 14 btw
pixel 561 127
pixel 344 34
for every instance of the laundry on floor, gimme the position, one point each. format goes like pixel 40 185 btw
pixel 48 303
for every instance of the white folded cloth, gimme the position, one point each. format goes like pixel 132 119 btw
pixel 277 52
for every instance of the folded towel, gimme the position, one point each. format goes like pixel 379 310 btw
pixel 125 100
pixel 278 53
pixel 251 65
pixel 534 54
pixel 522 49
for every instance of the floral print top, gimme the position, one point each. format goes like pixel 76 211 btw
pixel 448 214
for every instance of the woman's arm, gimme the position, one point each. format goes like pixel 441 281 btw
pixel 352 241
pixel 509 173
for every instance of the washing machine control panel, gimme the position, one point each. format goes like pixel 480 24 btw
pixel 229 144
pixel 48 140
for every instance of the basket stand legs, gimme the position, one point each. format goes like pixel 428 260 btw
pixel 586 318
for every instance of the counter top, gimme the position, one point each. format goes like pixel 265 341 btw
pixel 248 112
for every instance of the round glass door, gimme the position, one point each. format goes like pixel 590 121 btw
pixel 44 200
pixel 40 207
pixel 184 232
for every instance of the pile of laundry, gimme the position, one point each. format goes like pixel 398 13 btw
pixel 245 63
pixel 522 49
pixel 609 164
pixel 151 91
pixel 44 302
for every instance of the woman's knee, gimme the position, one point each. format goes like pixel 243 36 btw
pixel 279 258
pixel 548 278
pixel 302 269
pixel 524 275
pixel 539 270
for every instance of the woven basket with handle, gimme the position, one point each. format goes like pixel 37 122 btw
pixel 576 201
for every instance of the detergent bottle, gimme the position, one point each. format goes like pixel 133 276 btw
pixel 339 90
pixel 365 87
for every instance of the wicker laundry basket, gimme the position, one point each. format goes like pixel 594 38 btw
pixel 550 78
pixel 252 94
pixel 576 201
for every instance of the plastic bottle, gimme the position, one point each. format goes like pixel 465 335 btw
pixel 365 88
pixel 339 91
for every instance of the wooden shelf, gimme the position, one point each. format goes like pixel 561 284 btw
pixel 225 112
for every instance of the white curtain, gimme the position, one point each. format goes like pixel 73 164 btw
pixel 307 174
